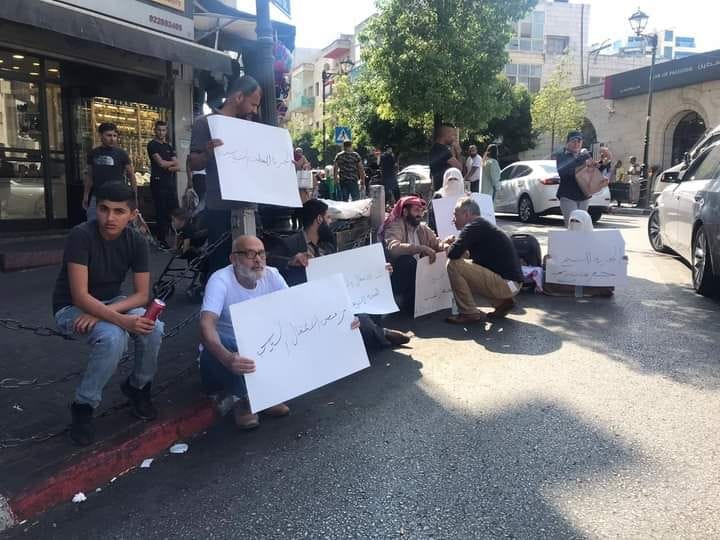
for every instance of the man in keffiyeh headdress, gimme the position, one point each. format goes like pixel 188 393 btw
pixel 407 239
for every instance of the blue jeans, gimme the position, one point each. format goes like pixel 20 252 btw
pixel 349 190
pixel 108 342
pixel 215 376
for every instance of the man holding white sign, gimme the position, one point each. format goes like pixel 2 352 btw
pixel 493 271
pixel 242 101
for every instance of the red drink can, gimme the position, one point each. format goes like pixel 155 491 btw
pixel 154 309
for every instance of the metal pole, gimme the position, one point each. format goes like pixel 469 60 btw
pixel 265 74
pixel 645 196
pixel 324 78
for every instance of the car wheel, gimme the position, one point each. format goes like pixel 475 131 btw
pixel 704 280
pixel 595 214
pixel 654 233
pixel 526 210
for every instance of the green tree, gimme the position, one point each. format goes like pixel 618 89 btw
pixel 428 61
pixel 555 109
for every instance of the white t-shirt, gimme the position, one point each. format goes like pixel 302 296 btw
pixel 223 290
pixel 474 162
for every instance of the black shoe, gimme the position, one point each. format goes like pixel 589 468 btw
pixel 140 403
pixel 82 430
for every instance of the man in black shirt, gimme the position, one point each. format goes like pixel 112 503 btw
pixel 494 271
pixel 88 304
pixel 388 171
pixel 163 184
pixel 242 101
pixel 443 155
pixel 106 163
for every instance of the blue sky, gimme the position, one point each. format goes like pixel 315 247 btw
pixel 318 22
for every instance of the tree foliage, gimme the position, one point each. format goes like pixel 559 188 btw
pixel 555 109
pixel 427 60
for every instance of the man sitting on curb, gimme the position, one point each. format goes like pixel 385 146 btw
pixel 406 240
pixel 316 240
pixel 494 271
pixel 87 303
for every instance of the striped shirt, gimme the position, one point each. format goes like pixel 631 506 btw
pixel 347 164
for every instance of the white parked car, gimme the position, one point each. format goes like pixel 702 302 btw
pixel 529 189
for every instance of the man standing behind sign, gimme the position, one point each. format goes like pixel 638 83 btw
pixel 242 101
pixel 349 169
pixel 494 271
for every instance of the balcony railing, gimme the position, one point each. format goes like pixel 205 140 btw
pixel 302 103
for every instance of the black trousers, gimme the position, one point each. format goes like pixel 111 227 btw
pixel 403 281
pixel 218 223
pixel 164 194
pixel 391 189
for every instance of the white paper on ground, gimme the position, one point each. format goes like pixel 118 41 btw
pixel 179 448
pixel 591 259
pixel 366 277
pixel 443 210
pixel 432 286
pixel 146 463
pixel 79 497
pixel 255 162
pixel 300 339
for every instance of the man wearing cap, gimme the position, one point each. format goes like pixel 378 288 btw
pixel 406 240
pixel 568 159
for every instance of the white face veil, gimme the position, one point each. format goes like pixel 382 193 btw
pixel 453 183
pixel 580 221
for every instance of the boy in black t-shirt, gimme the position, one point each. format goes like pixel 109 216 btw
pixel 88 304
pixel 163 184
pixel 106 163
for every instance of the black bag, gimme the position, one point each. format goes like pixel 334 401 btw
pixel 528 249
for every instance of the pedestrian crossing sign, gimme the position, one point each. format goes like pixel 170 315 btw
pixel 342 134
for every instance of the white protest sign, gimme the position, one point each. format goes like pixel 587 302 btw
pixel 443 210
pixel 300 339
pixel 255 162
pixel 592 259
pixel 432 286
pixel 366 276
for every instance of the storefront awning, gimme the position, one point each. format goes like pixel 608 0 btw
pixel 78 23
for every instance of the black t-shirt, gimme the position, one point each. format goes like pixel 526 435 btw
pixel 439 156
pixel 387 166
pixel 166 152
pixel 490 247
pixel 107 260
pixel 107 164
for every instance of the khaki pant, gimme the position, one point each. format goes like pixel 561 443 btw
pixel 468 278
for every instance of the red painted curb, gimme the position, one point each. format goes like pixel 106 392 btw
pixel 100 466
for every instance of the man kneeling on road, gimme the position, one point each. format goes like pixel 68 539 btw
pixel 316 240
pixel 406 240
pixel 87 303
pixel 221 367
pixel 494 271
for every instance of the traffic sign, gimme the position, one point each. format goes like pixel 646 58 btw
pixel 342 134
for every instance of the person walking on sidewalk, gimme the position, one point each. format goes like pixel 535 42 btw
pixel 106 163
pixel 242 101
pixel 88 304
pixel 163 182
pixel 473 168
pixel 490 182
pixel 348 168
pixel 494 269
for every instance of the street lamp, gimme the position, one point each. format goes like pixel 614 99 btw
pixel 638 22
pixel 346 66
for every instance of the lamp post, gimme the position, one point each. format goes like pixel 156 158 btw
pixel 345 67
pixel 638 22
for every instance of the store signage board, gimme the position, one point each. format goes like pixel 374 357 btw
pixel 159 15
pixel 255 162
pixel 444 207
pixel 591 259
pixel 366 276
pixel 432 286
pixel 300 339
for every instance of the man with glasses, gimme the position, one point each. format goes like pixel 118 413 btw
pixel 221 367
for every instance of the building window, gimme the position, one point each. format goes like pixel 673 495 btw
pixel 679 55
pixel 688 42
pixel 317 89
pixel 529 75
pixel 668 53
pixel 528 33
pixel 669 35
pixel 557 44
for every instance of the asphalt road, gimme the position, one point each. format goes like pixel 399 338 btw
pixel 588 418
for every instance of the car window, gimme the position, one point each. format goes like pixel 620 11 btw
pixel 507 173
pixel 521 170
pixel 707 169
pixel 402 177
pixel 549 169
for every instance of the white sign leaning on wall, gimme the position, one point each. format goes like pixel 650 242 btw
pixel 366 276
pixel 300 339
pixel 255 162
pixel 432 286
pixel 443 209
pixel 591 259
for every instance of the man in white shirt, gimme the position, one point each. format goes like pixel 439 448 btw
pixel 221 367
pixel 473 166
